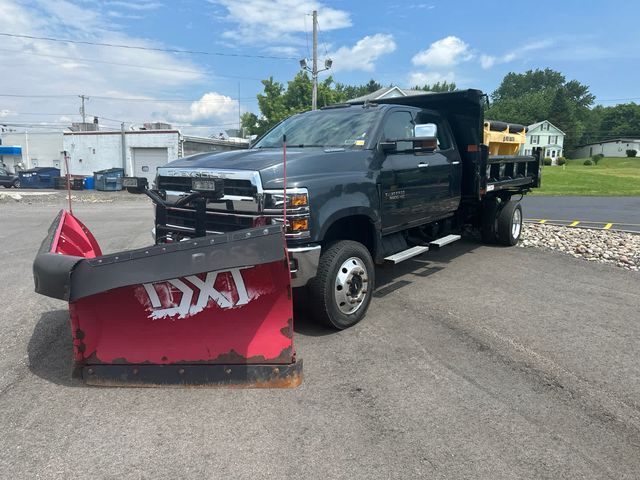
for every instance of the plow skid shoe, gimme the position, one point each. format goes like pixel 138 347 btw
pixel 211 311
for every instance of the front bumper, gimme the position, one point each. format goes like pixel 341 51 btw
pixel 303 263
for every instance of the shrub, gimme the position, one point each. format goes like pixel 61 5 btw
pixel 546 161
pixel 597 157
pixel 562 160
pixel 588 162
pixel 631 152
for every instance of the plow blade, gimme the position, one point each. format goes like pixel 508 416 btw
pixel 212 311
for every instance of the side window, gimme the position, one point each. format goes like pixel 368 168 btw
pixel 444 141
pixel 398 125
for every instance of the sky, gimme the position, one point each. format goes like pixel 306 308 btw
pixel 471 43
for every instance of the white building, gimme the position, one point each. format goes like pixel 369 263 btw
pixel 139 152
pixel 142 152
pixel 547 136
pixel 615 147
pixel 39 149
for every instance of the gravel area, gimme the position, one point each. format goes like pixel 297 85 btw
pixel 605 246
pixel 53 197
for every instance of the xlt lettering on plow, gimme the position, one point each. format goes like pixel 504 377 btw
pixel 160 295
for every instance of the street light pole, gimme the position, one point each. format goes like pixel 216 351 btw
pixel 314 71
pixel 304 65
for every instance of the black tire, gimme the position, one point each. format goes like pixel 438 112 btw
pixel 6 185
pixel 16 183
pixel 489 224
pixel 510 223
pixel 328 284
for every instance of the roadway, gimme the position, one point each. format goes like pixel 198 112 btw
pixel 473 362
pixel 611 213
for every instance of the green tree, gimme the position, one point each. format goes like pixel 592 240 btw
pixel 620 121
pixel 347 92
pixel 515 85
pixel 438 87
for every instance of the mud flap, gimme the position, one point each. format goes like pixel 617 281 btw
pixel 211 311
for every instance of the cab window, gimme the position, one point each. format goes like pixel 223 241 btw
pixel 444 140
pixel 398 125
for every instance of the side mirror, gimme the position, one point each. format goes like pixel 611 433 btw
pixel 426 130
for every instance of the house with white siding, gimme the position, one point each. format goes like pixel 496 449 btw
pixel 546 135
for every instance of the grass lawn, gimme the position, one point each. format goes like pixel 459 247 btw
pixel 612 176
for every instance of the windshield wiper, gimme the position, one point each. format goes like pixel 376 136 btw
pixel 303 145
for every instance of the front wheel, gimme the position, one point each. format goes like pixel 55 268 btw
pixel 16 183
pixel 340 293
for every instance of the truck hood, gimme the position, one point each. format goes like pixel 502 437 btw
pixel 302 163
pixel 253 159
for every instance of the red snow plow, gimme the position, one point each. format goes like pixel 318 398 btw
pixel 211 311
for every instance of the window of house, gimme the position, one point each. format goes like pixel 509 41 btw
pixel 535 139
pixel 553 140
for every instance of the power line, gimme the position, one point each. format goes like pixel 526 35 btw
pixel 134 99
pixel 153 49
pixel 88 60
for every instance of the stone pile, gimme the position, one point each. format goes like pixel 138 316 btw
pixel 617 248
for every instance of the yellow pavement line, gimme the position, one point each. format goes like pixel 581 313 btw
pixel 574 223
pixel 608 226
pixel 584 221
pixel 542 221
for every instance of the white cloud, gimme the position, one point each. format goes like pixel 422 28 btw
pixel 489 61
pixel 274 21
pixel 5 113
pixel 429 78
pixel 63 70
pixel 446 52
pixel 211 107
pixel 363 55
pixel 139 5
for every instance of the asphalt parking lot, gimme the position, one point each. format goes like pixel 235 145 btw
pixel 473 362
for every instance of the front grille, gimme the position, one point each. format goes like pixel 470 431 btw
pixel 240 188
pixel 185 218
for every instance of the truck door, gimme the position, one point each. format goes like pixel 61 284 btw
pixel 443 175
pixel 403 178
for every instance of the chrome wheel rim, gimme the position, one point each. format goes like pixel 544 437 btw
pixel 516 225
pixel 351 285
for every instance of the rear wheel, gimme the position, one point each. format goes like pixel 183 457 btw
pixel 340 293
pixel 510 223
pixel 16 183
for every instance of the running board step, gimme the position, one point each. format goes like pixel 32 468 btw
pixel 406 254
pixel 441 242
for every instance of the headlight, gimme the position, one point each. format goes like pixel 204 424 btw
pixel 296 198
pixel 297 210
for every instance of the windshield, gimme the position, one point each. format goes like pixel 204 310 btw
pixel 345 128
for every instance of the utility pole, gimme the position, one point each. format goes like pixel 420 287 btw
pixel 82 111
pixel 314 71
pixel 304 65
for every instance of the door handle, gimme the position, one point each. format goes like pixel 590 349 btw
pixel 423 165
